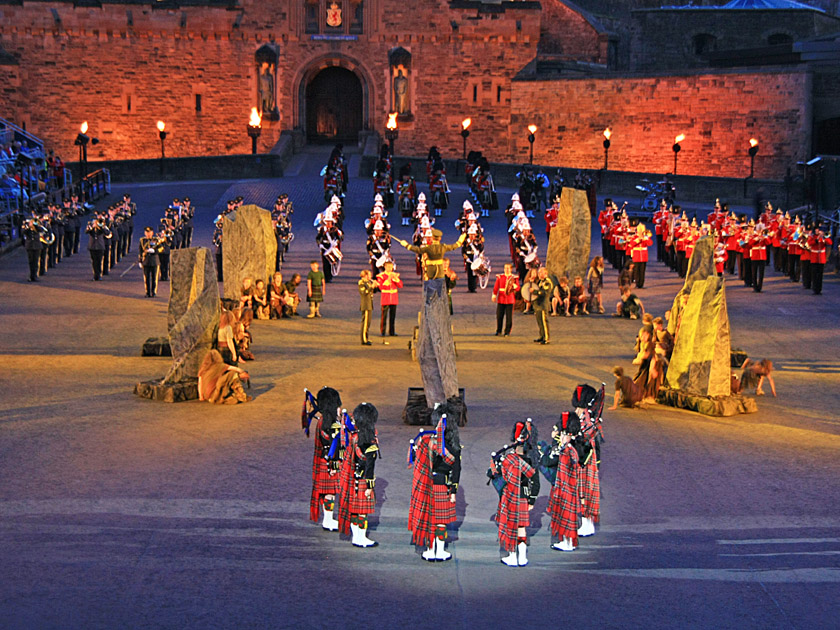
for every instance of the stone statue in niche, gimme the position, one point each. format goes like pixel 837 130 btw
pixel 267 103
pixel 399 60
pixel 266 59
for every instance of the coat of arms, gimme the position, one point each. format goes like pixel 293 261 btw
pixel 334 15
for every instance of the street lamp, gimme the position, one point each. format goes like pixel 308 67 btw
pixel 607 134
pixel 391 131
pixel 161 127
pixel 676 148
pixel 82 140
pixel 465 133
pixel 254 129
pixel 532 129
pixel 752 151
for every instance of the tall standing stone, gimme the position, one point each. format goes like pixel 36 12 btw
pixel 249 248
pixel 436 347
pixel 570 240
pixel 193 315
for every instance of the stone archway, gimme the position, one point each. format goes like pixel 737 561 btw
pixel 328 82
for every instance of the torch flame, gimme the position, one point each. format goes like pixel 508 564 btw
pixel 255 119
pixel 753 142
pixel 679 138
pixel 532 128
pixel 392 121
pixel 84 127
pixel 161 125
pixel 607 133
pixel 466 123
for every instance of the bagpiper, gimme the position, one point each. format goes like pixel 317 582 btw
pixel 356 496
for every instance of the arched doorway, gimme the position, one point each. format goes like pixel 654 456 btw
pixel 334 106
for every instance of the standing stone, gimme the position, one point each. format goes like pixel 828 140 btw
pixel 699 373
pixel 250 248
pixel 436 347
pixel 193 316
pixel 569 243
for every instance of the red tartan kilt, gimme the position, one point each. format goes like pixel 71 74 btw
pixel 524 512
pixel 322 481
pixel 359 503
pixel 444 509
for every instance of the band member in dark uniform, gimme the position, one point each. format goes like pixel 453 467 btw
pixel 356 497
pixel 329 451
pixel 437 472
pixel 542 304
pixel 100 235
pixel 149 249
pixel 31 232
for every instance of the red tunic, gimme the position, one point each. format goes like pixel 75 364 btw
pixel 499 289
pixel 389 284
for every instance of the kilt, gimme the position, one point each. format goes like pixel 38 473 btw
pixel 444 509
pixel 590 490
pixel 322 481
pixel 359 503
pixel 564 506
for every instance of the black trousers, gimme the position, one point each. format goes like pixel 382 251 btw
pixel 219 275
pixel 639 271
pixel 96 257
pixel 77 234
pixel 150 275
pixel 731 257
pixel 42 261
pixel 817 270
pixel 128 239
pixel 682 264
pixel 758 274
pixel 389 313
pixel 806 273
pixel 793 267
pixel 68 243
pixel 504 313
pixel 326 267
pixel 542 323
pixel 164 266
pixel 34 256
pixel 747 266
pixel 471 279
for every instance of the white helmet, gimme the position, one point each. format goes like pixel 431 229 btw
pixel 421 197
pixel 378 226
pixel 467 205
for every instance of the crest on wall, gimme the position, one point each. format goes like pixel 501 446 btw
pixel 334 15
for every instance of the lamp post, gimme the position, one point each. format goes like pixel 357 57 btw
pixel 607 134
pixel 161 127
pixel 752 151
pixel 465 133
pixel 391 131
pixel 676 148
pixel 532 129
pixel 254 129
pixel 82 140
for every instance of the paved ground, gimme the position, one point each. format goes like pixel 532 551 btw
pixel 120 512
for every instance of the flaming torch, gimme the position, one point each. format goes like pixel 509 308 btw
pixel 532 129
pixel 676 148
pixel 391 131
pixel 465 133
pixel 82 140
pixel 607 135
pixel 752 151
pixel 254 128
pixel 161 127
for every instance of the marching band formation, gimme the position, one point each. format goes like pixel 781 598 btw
pixel 344 479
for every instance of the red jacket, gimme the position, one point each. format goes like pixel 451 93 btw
pixel 758 247
pixel 499 289
pixel 639 244
pixel 819 246
pixel 389 283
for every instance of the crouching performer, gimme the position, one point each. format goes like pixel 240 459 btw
pixel 329 452
pixel 436 456
pixel 356 498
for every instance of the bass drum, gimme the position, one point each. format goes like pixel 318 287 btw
pixel 527 288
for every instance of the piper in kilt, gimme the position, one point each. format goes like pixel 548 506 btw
pixel 512 515
pixel 356 498
pixel 564 501
pixel 589 405
pixel 326 460
pixel 437 471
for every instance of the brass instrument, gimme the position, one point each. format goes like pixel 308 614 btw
pixel 511 282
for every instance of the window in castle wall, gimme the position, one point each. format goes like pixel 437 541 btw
pixel 356 17
pixel 475 94
pixel 197 103
pixel 311 11
pixel 703 43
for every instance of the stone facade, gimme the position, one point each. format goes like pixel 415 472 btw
pixel 123 66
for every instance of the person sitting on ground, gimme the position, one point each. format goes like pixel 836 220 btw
pixel 578 298
pixel 629 305
pixel 293 299
pixel 219 382
pixel 754 374
pixel 644 355
pixel 242 333
pixel 260 300
pixel 277 294
pixel 656 375
pixel 246 293
pixel 560 300
pixel 226 339
pixel 627 393
pixel 625 278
